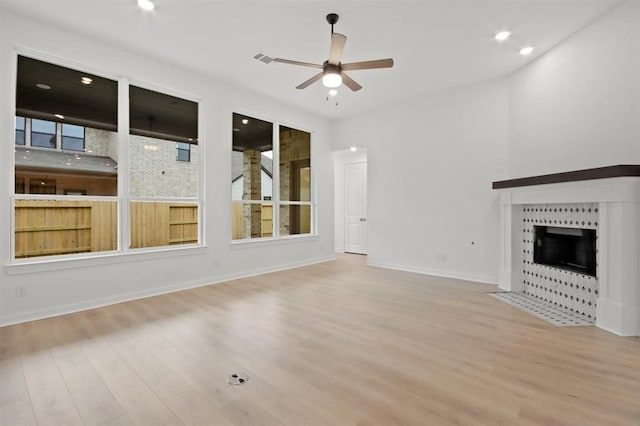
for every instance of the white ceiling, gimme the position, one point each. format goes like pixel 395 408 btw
pixel 436 44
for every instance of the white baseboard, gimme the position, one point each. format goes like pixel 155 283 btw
pixel 127 297
pixel 435 272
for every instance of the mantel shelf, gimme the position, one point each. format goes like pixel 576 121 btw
pixel 621 170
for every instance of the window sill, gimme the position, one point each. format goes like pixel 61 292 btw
pixel 30 266
pixel 261 242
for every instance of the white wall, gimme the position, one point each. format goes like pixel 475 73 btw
pixel 578 105
pixel 340 159
pixel 430 167
pixel 67 286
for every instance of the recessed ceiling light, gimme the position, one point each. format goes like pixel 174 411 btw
pixel 526 50
pixel 245 121
pixel 353 149
pixel 43 86
pixel 60 116
pixel 333 92
pixel 146 4
pixel 86 80
pixel 502 35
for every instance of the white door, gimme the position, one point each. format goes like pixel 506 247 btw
pixel 355 233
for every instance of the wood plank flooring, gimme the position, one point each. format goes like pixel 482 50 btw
pixel 337 343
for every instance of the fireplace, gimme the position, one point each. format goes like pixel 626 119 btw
pixel 603 204
pixel 571 249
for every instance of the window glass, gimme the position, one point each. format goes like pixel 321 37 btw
pixel 251 220
pixel 295 165
pixel 53 227
pixel 295 181
pixel 252 178
pixel 20 131
pixel 72 137
pixel 89 129
pixel 295 219
pixel 157 224
pixel 163 129
pixel 157 122
pixel 57 224
pixel 92 171
pixel 43 133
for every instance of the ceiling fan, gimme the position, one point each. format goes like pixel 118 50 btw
pixel 332 73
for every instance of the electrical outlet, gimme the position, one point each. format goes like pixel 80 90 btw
pixel 21 290
pixel 441 257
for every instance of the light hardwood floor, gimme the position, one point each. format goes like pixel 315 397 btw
pixel 337 343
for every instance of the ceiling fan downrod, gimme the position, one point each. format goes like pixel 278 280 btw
pixel 332 18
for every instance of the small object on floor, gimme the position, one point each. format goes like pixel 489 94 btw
pixel 238 378
pixel 547 311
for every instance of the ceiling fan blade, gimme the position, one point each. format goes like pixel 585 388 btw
pixel 309 82
pixel 366 65
pixel 337 47
pixel 302 64
pixel 350 83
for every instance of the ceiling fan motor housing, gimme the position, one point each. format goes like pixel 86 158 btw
pixel 332 69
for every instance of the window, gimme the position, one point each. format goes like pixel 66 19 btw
pixel 43 133
pixel 70 199
pixel 256 213
pixel 48 221
pixel 20 129
pixel 72 137
pixel 164 195
pixel 295 181
pixel 183 151
pixel 252 178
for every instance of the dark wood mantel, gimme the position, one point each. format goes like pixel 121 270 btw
pixel 620 170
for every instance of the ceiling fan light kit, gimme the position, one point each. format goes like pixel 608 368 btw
pixel 332 73
pixel 331 77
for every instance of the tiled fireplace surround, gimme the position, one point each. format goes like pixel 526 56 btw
pixel 613 195
pixel 570 290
